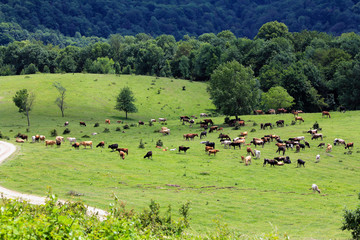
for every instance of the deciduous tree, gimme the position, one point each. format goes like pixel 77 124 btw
pixel 277 97
pixel 125 101
pixel 24 101
pixel 60 101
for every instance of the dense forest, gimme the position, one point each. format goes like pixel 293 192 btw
pixel 178 18
pixel 319 70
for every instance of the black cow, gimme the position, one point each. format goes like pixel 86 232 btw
pixel 321 145
pixel 280 123
pixel 113 146
pixel 210 144
pixel 82 124
pixel 300 162
pixel 284 159
pixel 307 144
pixel 272 162
pixel 342 109
pixel 182 148
pixel 148 155
pixel 204 133
pixel 101 144
pixel 234 144
pixel 282 148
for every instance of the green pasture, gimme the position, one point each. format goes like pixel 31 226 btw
pixel 250 199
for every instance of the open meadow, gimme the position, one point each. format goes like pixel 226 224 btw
pixel 251 200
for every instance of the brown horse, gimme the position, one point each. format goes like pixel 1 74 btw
pixel 299 118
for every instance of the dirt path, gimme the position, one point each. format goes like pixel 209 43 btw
pixel 6 150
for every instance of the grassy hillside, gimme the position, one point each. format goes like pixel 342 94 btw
pixel 250 199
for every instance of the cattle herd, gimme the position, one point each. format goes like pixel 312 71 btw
pixel 208 128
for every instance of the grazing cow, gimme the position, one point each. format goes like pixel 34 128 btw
pixel 107 121
pixel 316 136
pixel 113 146
pixel 257 153
pixel 300 162
pixel 119 121
pixel 258 142
pixel 50 142
pixel 71 139
pixel 101 144
pixel 60 139
pixel 281 110
pixel 312 131
pixel 203 115
pixel 237 143
pixel 42 138
pixel 33 139
pixel 283 159
pixel 148 155
pixel 317 158
pixel 82 124
pixel 321 145
pixel 224 136
pixel 349 145
pixel 342 109
pixel 246 160
pixel 272 162
pixel 299 119
pixel 19 140
pixel 182 118
pixel 152 120
pixel 315 188
pixel 162 120
pixel 226 143
pixel 265 125
pixel 122 154
pixel 66 123
pixel 297 148
pixel 141 123
pixel 76 145
pixel 182 148
pixel 213 128
pixel 125 150
pixel 58 143
pixel 208 148
pixel 191 136
pixel 339 141
pixel 258 112
pixel 165 131
pixel 22 136
pixel 213 151
pixel 202 134
pixel 328 148
pixel 250 151
pixel 280 144
pixel 307 144
pixel 281 148
pixel 243 134
pixel 326 113
pixel 87 143
pixel 270 111
pixel 209 121
pixel 280 123
pixel 296 113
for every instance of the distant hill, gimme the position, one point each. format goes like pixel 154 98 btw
pixel 243 17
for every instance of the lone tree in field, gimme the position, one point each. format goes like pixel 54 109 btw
pixel 233 89
pixel 277 97
pixel 60 101
pixel 125 101
pixel 24 101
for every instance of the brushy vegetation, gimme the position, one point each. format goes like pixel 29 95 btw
pixel 250 200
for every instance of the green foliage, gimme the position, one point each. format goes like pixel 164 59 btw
pixel 351 221
pixel 273 29
pixel 24 101
pixel 125 101
pixel 276 97
pixel 31 69
pixel 233 89
pixel 60 101
pixel 159 143
pixel 141 144
pixel 66 131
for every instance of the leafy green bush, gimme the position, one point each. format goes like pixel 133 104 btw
pixel 352 221
pixel 159 143
pixel 53 133
pixel 66 131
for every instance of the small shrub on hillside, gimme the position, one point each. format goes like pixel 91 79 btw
pixel 53 133
pixel 96 125
pixel 133 125
pixel 141 144
pixel 151 123
pixel 253 130
pixel 226 120
pixel 106 130
pixel 316 125
pixel 236 126
pixel 352 221
pixel 118 129
pixel 66 131
pixel 126 126
pixel 254 124
pixel 28 130
pixel 293 122
pixel 86 136
pixel 159 143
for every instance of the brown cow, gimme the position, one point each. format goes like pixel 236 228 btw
pixel 250 151
pixel 207 148
pixel 107 121
pixel 87 143
pixel 246 160
pixel 213 128
pixel 50 142
pixel 257 112
pixel 190 135
pixel 349 145
pixel 125 150
pixel 122 154
pixel 299 118
pixel 326 113
pixel 76 145
pixel 213 151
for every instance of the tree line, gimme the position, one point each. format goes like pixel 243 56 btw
pixel 318 70
pixel 243 18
